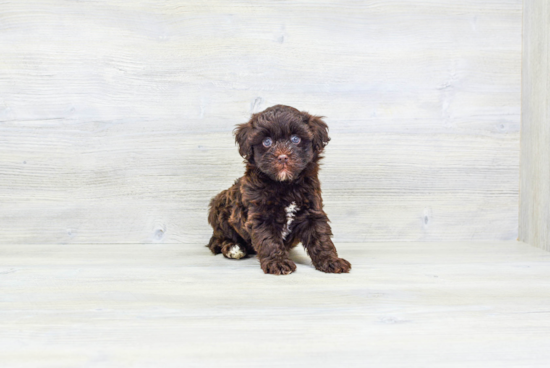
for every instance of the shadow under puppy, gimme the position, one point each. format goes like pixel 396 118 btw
pixel 277 203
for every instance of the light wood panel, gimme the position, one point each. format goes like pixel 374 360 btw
pixel 157 305
pixel 534 218
pixel 116 117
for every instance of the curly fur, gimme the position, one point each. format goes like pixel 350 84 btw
pixel 277 203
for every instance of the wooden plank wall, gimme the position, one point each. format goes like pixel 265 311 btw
pixel 116 116
pixel 534 221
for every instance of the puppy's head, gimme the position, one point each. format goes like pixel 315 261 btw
pixel 281 141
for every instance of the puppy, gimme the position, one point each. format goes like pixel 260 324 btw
pixel 277 203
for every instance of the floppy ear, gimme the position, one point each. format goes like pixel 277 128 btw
pixel 320 132
pixel 242 138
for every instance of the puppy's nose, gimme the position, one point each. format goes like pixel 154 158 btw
pixel 283 159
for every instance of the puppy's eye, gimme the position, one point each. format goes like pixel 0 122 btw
pixel 295 139
pixel 267 142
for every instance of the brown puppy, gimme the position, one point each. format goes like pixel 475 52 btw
pixel 277 203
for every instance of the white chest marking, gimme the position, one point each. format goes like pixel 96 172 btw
pixel 290 213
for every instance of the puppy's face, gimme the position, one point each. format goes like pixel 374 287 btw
pixel 281 141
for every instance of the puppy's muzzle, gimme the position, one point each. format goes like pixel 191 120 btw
pixel 283 159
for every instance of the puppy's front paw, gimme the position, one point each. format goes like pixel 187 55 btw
pixel 334 265
pixel 278 266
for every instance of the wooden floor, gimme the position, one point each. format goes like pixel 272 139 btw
pixel 403 305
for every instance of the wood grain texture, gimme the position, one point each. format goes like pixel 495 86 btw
pixel 116 117
pixel 534 219
pixel 160 305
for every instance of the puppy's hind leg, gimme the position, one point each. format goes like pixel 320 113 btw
pixel 233 250
pixel 215 244
pixel 227 247
pixel 225 239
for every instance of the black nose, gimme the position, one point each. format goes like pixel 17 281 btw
pixel 283 159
